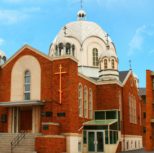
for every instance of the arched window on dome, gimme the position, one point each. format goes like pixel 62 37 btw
pixel 85 102
pixel 73 50
pixel 68 48
pixel 27 84
pixel 56 50
pixel 95 57
pixel 80 100
pixel 90 104
pixel 61 46
pixel 105 64
pixel 113 63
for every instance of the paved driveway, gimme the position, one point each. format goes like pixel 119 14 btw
pixel 137 151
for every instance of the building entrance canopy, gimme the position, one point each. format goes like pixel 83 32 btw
pixel 21 103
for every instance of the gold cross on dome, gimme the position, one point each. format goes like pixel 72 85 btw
pixel 60 82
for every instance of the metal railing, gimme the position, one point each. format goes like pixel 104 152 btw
pixel 17 140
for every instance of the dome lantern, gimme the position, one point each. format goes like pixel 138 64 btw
pixel 108 65
pixel 81 15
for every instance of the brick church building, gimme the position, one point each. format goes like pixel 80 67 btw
pixel 74 100
pixel 149 135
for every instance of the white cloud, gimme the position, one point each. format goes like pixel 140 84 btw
pixel 1 41
pixel 139 38
pixel 14 16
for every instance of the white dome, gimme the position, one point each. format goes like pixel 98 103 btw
pixel 81 30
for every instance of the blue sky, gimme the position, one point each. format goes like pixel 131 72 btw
pixel 130 24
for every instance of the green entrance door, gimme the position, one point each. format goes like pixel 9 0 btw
pixel 95 141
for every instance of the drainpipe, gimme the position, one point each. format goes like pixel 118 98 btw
pixel 123 126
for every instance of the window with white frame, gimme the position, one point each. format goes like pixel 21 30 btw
pixel 132 109
pixel 27 84
pixel 90 104
pixel 105 64
pixel 95 57
pixel 80 100
pixel 112 63
pixel 85 102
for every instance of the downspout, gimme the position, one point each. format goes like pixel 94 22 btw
pixel 123 126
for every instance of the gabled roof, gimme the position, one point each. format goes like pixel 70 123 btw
pixel 26 46
pixel 142 91
pixel 122 75
pixel 21 49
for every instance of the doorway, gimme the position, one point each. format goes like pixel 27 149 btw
pixel 25 120
pixel 95 141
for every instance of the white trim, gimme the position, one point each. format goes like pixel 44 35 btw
pixel 64 57
pixel 52 136
pixel 100 82
pixel 50 123
pixel 126 78
pixel 71 134
pixel 87 78
pixel 21 49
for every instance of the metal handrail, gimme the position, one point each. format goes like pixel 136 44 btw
pixel 17 139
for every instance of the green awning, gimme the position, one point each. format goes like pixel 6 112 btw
pixel 101 122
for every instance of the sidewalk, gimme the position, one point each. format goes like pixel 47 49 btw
pixel 137 151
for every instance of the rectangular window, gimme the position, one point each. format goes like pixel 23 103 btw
pixel 27 96
pixel 61 114
pixel 100 115
pixel 111 115
pixel 84 137
pixel 144 114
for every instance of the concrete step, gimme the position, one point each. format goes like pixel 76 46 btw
pixel 25 146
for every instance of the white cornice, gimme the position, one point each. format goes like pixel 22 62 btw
pixel 64 57
pixel 100 82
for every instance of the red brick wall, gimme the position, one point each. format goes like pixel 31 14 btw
pixel 107 96
pixel 50 145
pixel 148 144
pixel 127 127
pixel 52 130
pixel 143 105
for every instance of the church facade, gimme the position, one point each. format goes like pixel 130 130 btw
pixel 75 97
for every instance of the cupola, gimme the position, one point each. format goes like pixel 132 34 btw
pixel 81 15
pixel 108 62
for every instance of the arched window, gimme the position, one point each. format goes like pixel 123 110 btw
pixel 105 64
pixel 27 84
pixel 73 50
pixel 90 104
pixel 80 100
pixel 112 63
pixel 95 57
pixel 130 108
pixel 61 46
pixel 68 48
pixel 85 102
pixel 56 50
